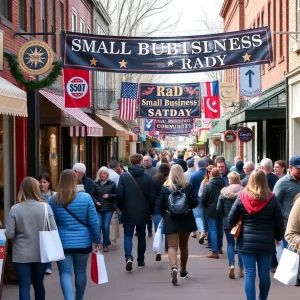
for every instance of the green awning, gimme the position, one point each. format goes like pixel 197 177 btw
pixel 191 145
pixel 220 127
pixel 200 143
pixel 272 105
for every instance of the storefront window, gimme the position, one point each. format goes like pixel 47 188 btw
pixel 48 151
pixel 78 149
pixel 82 150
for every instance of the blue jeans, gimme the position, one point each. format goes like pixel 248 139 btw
pixel 263 265
pixel 216 233
pixel 149 226
pixel 48 266
pixel 231 249
pixel 65 268
pixel 156 220
pixel 199 217
pixel 104 221
pixel 30 273
pixel 128 235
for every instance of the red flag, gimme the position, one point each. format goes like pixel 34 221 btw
pixel 211 99
pixel 77 88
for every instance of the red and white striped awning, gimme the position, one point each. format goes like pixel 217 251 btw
pixel 92 128
pixel 77 131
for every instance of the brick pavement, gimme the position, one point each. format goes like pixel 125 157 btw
pixel 208 280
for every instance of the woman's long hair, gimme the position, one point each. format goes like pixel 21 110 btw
pixel 67 187
pixel 257 186
pixel 47 177
pixel 207 175
pixel 29 190
pixel 176 178
pixel 162 173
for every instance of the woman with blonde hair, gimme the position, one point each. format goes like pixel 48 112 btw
pixel 25 221
pixel 78 225
pixel 262 226
pixel 178 229
pixel 105 196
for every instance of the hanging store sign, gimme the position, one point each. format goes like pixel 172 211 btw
pixel 136 130
pixel 174 125
pixel 230 137
pixel 162 101
pixel 227 92
pixel 245 135
pixel 167 54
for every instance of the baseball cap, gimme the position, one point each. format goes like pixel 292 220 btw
pixel 202 163
pixel 295 161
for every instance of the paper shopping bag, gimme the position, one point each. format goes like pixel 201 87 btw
pixel 287 269
pixel 279 250
pixel 114 228
pixel 158 238
pixel 98 269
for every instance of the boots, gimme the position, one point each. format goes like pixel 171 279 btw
pixel 231 272
pixel 213 255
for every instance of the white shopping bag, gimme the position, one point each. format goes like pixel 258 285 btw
pixel 50 244
pixel 98 269
pixel 279 250
pixel 158 238
pixel 114 229
pixel 287 269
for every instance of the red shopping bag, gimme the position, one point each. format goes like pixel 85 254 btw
pixel 98 269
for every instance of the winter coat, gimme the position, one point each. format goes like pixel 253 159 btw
pixel 225 177
pixel 188 174
pixel 75 237
pixel 158 188
pixel 271 179
pixel 210 196
pixel 136 204
pixel 292 234
pixel 262 223
pixel 196 180
pixel 182 163
pixel 184 223
pixel 226 200
pixel 241 173
pixel 101 188
pixel 245 180
pixel 88 185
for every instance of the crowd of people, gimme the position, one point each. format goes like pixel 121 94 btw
pixel 191 194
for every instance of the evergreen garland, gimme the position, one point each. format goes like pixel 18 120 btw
pixel 33 84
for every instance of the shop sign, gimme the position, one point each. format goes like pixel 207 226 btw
pixel 216 142
pixel 35 57
pixel 3 248
pixel 1 49
pixel 245 135
pixel 227 92
pixel 136 130
pixel 230 137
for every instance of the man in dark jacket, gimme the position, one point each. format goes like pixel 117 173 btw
pixel 249 166
pixel 88 183
pixel 210 196
pixel 222 167
pixel 136 200
pixel 181 162
pixel 267 167
pixel 195 181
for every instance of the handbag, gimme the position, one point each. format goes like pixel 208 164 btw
pixel 50 244
pixel 236 230
pixel 287 270
pixel 98 269
pixel 158 238
pixel 114 228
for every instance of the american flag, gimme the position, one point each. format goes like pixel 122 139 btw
pixel 128 100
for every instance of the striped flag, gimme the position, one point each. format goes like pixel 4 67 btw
pixel 128 100
pixel 211 99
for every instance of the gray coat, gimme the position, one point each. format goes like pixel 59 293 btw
pixel 151 171
pixel 24 223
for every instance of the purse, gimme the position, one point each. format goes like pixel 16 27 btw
pixel 236 230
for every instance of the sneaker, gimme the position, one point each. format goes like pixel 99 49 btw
pixel 48 271
pixel 184 274
pixel 201 238
pixel 141 266
pixel 194 234
pixel 158 256
pixel 241 272
pixel 231 272
pixel 174 272
pixel 129 265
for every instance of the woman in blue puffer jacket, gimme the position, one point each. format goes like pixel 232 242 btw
pixel 77 224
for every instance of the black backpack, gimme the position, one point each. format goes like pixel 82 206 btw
pixel 178 204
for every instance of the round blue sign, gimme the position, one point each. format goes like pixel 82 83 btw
pixel 245 135
pixel 136 130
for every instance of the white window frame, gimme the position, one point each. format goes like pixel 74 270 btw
pixel 81 26
pixel 74 20
pixel 88 29
pixel 298 20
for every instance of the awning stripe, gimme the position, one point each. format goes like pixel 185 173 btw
pixel 93 128
pixel 77 131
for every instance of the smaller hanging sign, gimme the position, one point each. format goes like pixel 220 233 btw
pixel 230 137
pixel 245 135
pixel 136 130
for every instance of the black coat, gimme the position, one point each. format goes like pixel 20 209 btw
pixel 88 185
pixel 272 179
pixel 259 231
pixel 136 203
pixel 210 196
pixel 158 187
pixel 183 224
pixel 110 188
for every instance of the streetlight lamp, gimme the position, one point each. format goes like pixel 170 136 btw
pixel 232 107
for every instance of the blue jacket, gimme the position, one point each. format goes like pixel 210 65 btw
pixel 75 237
pixel 196 180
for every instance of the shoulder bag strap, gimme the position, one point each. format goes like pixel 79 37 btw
pixel 76 218
pixel 137 186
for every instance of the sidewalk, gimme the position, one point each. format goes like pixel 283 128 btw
pixel 208 279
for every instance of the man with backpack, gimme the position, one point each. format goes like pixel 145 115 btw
pixel 136 200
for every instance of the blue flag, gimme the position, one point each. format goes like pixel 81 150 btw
pixel 149 124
